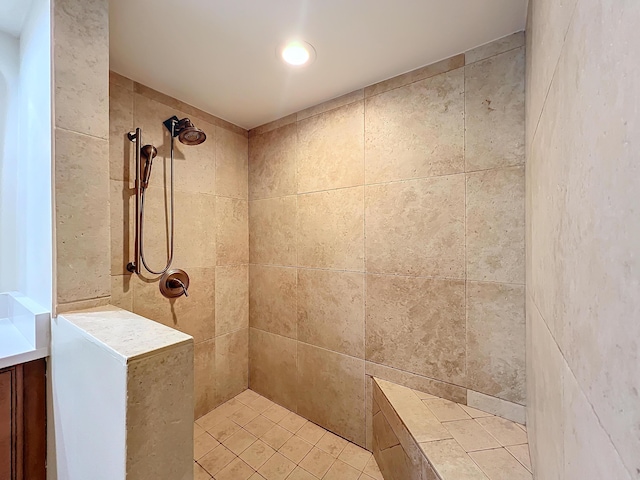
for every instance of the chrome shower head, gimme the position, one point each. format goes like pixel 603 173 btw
pixel 185 130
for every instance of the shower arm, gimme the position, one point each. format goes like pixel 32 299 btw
pixel 134 267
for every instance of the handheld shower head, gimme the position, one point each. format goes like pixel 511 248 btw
pixel 149 152
pixel 186 131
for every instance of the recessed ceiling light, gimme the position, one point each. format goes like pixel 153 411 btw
pixel 297 53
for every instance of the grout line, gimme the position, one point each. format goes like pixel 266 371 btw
pixel 390 182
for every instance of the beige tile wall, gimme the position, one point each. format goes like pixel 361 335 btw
pixel 211 240
pixel 387 236
pixel 81 105
pixel 583 239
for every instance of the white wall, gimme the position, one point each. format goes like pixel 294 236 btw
pixel 25 161
pixel 87 407
pixel 9 94
pixel 34 177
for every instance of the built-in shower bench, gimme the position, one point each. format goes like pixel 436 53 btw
pixel 417 436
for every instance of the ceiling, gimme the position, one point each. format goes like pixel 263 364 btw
pixel 12 15
pixel 220 55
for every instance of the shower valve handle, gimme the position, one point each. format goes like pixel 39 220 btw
pixel 175 283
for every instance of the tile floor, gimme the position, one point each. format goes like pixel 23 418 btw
pixel 250 437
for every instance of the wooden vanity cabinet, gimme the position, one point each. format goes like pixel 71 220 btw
pixel 23 421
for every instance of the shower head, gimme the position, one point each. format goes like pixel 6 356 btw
pixel 185 130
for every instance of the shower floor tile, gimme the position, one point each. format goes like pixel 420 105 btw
pixel 268 442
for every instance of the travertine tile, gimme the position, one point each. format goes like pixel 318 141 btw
pixel 259 425
pixel 292 422
pixel 214 417
pixel 239 441
pixel 268 127
pixel 246 397
pixel 470 435
pixel 330 149
pixel 232 364
pixel 194 315
pixel 331 310
pixel 408 415
pixel 277 468
pixel 273 367
pixel 355 456
pixel 162 417
pixel 317 462
pixel 496 47
pixel 121 149
pixel 496 340
pixel 341 471
pixel 521 453
pixel 194 228
pixel 272 223
pixel 232 231
pixel 197 430
pixel 424 315
pixel 372 470
pixel 257 454
pixel 545 398
pixel 495 225
pixel 204 360
pixel 232 164
pixel 223 430
pixel 122 292
pixel 416 227
pixel 295 449
pixel 587 449
pixel 243 415
pixel 120 81
pixel 236 470
pixel 506 432
pixel 272 299
pixel 232 298
pixel 276 413
pixel 81 67
pixel 332 104
pixel 446 411
pixel 122 226
pixel 272 163
pixel 586 272
pixel 498 464
pixel 416 130
pixel 200 473
pixel 276 436
pixel 421 73
pixel 331 391
pixel 496 406
pixel 260 404
pixel 300 474
pixel 217 459
pixel 330 229
pixel 332 444
pixel 203 444
pixel 82 235
pixel 449 460
pixel 417 382
pixel 311 432
pixel 494 112
pixel 474 413
pixel 548 22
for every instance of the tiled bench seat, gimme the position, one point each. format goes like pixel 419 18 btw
pixel 417 436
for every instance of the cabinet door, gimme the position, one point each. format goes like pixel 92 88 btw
pixel 6 425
